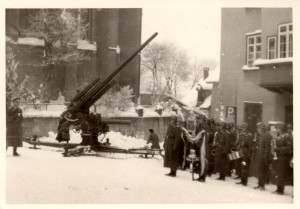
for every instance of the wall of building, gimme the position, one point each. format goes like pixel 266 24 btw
pixel 237 85
pixel 108 28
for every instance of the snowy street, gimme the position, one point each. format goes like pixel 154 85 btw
pixel 45 177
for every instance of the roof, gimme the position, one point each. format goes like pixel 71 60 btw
pixel 202 84
pixel 254 32
pixel 207 102
pixel 86 45
pixel 192 96
pixel 272 61
pixel 214 76
pixel 31 41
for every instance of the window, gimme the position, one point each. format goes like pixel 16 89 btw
pixel 271 47
pixel 253 49
pixel 285 40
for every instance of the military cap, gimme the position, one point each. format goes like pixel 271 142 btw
pixel 261 125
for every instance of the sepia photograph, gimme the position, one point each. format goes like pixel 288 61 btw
pixel 147 104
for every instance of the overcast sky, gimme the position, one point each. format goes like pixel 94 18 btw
pixel 197 30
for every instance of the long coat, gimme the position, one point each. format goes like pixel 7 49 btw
pixel 281 170
pixel 262 156
pixel 172 146
pixel 153 138
pixel 14 127
pixel 223 145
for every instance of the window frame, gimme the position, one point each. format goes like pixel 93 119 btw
pixel 254 45
pixel 287 44
pixel 268 46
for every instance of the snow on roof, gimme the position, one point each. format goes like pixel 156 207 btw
pixel 31 41
pixel 204 85
pixel 191 97
pixel 254 32
pixel 246 67
pixel 207 102
pixel 214 76
pixel 272 61
pixel 145 92
pixel 86 45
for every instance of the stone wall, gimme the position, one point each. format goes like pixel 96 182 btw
pixel 138 128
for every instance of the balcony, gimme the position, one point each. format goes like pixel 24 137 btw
pixel 276 75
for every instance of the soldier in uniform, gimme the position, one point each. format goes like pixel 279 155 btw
pixel 246 143
pixel 222 150
pixel 282 153
pixel 172 147
pixel 237 146
pixel 210 141
pixel 14 126
pixel 153 139
pixel 262 154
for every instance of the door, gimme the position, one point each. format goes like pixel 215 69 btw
pixel 289 114
pixel 252 115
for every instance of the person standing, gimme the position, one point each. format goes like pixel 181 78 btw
pixel 14 119
pixel 222 151
pixel 246 143
pixel 210 141
pixel 172 147
pixel 282 149
pixel 153 139
pixel 262 154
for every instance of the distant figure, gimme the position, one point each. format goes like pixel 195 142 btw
pixel 153 139
pixel 14 126
pixel 61 98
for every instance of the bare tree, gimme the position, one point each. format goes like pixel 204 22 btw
pixel 60 29
pixel 168 65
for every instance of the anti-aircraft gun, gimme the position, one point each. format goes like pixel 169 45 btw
pixel 77 114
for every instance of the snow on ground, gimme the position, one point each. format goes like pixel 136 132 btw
pixel 43 176
pixel 115 138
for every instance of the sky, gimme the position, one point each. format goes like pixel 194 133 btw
pixel 196 30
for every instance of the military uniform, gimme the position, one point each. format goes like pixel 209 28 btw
pixel 14 127
pixel 246 143
pixel 172 148
pixel 262 156
pixel 282 170
pixel 153 138
pixel 223 144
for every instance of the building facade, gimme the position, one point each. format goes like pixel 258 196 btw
pixel 113 35
pixel 256 68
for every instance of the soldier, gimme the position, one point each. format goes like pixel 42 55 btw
pixel 246 143
pixel 153 138
pixel 210 140
pixel 14 126
pixel 231 135
pixel 237 146
pixel 222 150
pixel 262 154
pixel 282 148
pixel 172 147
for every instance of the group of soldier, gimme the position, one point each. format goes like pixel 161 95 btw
pixel 261 153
